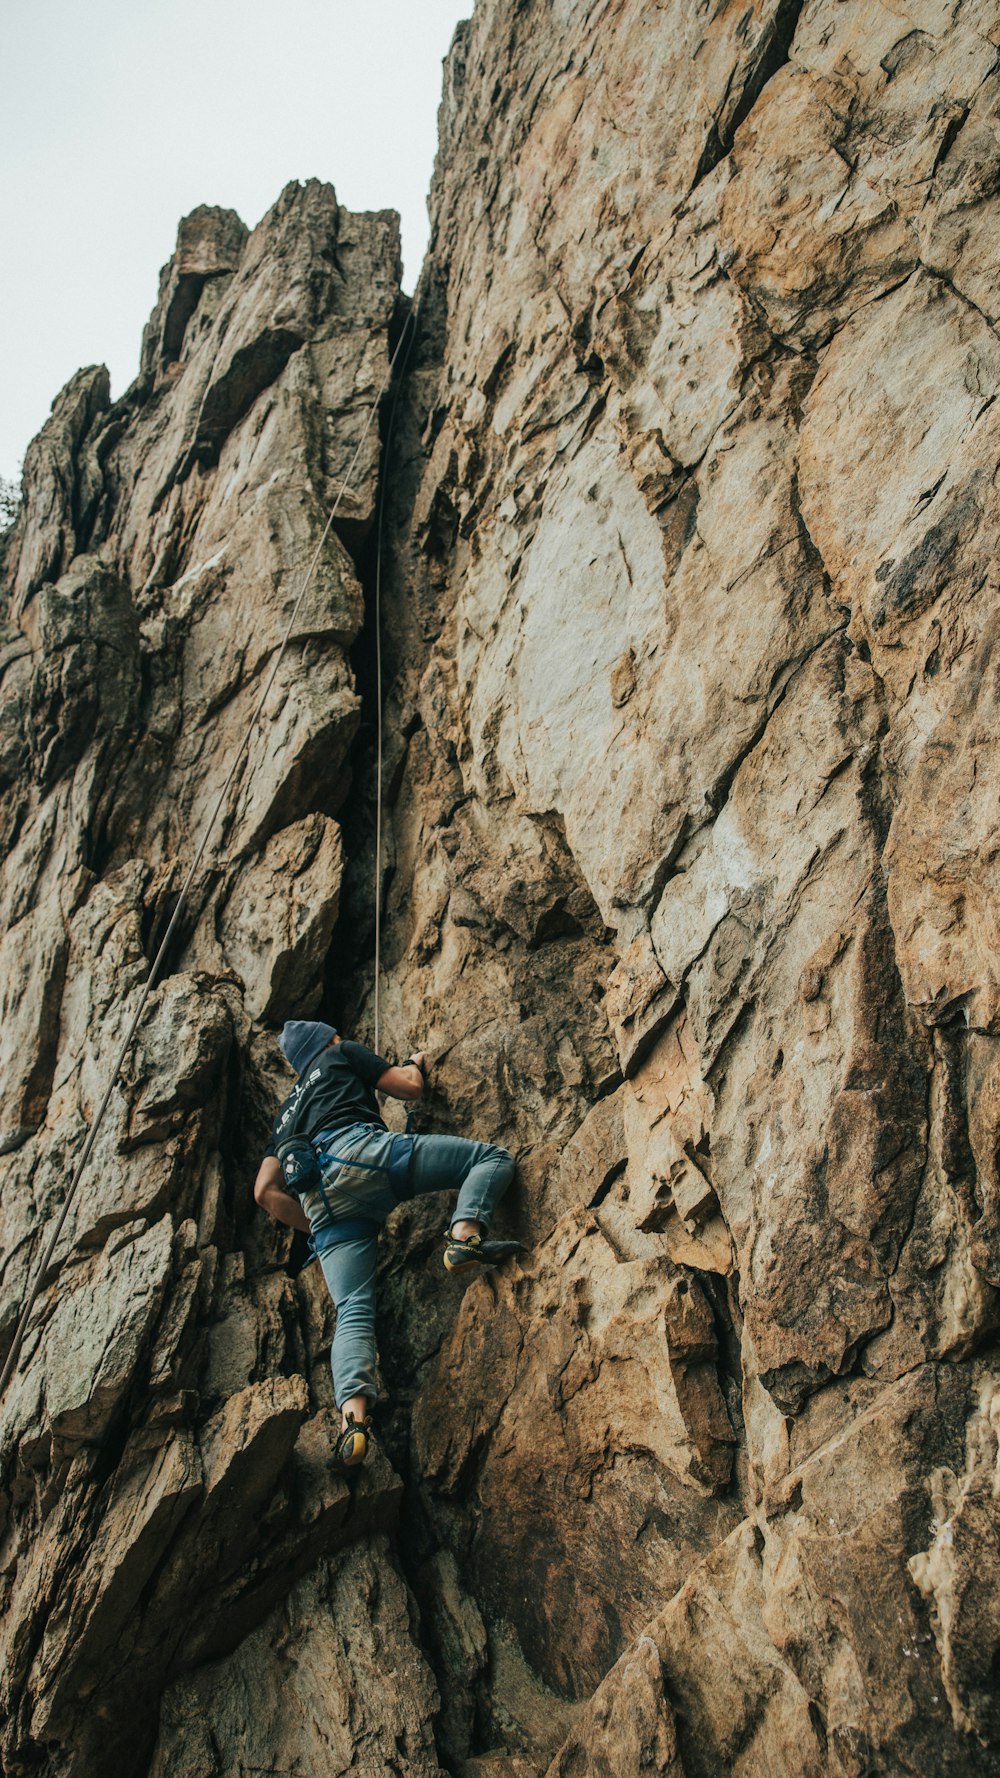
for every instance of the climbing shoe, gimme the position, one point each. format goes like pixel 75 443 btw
pixel 465 1255
pixel 351 1448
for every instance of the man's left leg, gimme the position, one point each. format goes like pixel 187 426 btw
pixel 349 1270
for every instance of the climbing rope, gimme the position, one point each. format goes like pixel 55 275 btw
pixel 154 970
pixel 378 679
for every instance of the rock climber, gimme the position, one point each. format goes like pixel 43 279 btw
pixel 335 1171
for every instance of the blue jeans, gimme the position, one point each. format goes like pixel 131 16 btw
pixel 478 1171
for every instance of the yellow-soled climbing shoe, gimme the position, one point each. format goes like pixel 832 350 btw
pixel 351 1448
pixel 472 1252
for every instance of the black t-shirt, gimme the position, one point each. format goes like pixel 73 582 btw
pixel 336 1090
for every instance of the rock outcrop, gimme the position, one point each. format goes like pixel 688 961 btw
pixel 689 611
pixel 164 1438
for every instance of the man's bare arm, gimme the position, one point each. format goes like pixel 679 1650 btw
pixel 269 1191
pixel 405 1081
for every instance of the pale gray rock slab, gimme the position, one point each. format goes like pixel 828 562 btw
pixel 277 936
pixel 210 246
pixel 99 1331
pixel 46 538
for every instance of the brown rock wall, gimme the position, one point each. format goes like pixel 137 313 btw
pixel 697 565
pixel 163 1441
pixel 688 892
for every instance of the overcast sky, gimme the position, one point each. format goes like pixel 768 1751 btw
pixel 117 117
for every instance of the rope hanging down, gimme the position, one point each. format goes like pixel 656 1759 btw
pixel 154 970
pixel 378 680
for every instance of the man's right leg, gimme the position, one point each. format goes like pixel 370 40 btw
pixel 480 1172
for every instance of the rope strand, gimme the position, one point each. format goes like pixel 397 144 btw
pixel 378 672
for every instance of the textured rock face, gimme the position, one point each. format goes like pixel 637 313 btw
pixel 692 829
pixel 690 608
pixel 163 1441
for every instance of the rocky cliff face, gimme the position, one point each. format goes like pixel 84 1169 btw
pixel 689 614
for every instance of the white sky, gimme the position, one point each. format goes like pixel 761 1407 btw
pixel 117 117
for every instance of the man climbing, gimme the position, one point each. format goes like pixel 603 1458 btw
pixel 335 1171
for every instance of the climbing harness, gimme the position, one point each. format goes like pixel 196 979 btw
pixel 397 1170
pixel 304 1163
pixel 238 760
